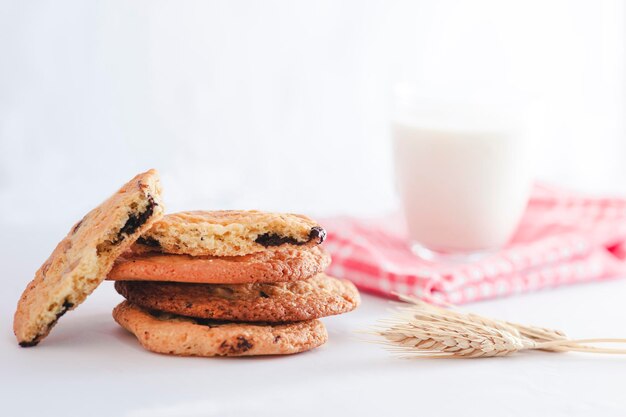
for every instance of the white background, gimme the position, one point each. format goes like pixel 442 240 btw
pixel 283 105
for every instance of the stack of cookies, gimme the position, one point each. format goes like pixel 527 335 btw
pixel 221 283
pixel 229 283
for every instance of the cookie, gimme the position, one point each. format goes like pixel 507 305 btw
pixel 272 265
pixel 176 335
pixel 85 256
pixel 229 233
pixel 317 297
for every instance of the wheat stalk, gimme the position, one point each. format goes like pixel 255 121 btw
pixel 425 330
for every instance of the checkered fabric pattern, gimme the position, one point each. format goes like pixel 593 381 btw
pixel 564 238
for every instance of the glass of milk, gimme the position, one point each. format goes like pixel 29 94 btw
pixel 462 172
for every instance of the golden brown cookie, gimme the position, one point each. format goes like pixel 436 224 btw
pixel 271 265
pixel 85 256
pixel 313 298
pixel 229 232
pixel 176 335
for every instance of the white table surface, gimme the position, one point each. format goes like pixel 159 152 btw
pixel 90 366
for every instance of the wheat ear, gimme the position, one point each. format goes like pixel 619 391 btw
pixel 425 330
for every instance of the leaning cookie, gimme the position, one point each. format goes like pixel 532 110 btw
pixel 271 265
pixel 317 297
pixel 85 256
pixel 229 233
pixel 176 335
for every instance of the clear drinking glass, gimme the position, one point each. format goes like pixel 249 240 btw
pixel 462 172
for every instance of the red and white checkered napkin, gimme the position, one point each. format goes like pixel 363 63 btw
pixel 564 238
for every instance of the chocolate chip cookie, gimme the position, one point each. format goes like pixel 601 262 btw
pixel 313 298
pixel 271 265
pixel 176 335
pixel 85 256
pixel 230 233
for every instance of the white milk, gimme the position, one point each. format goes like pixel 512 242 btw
pixel 463 187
